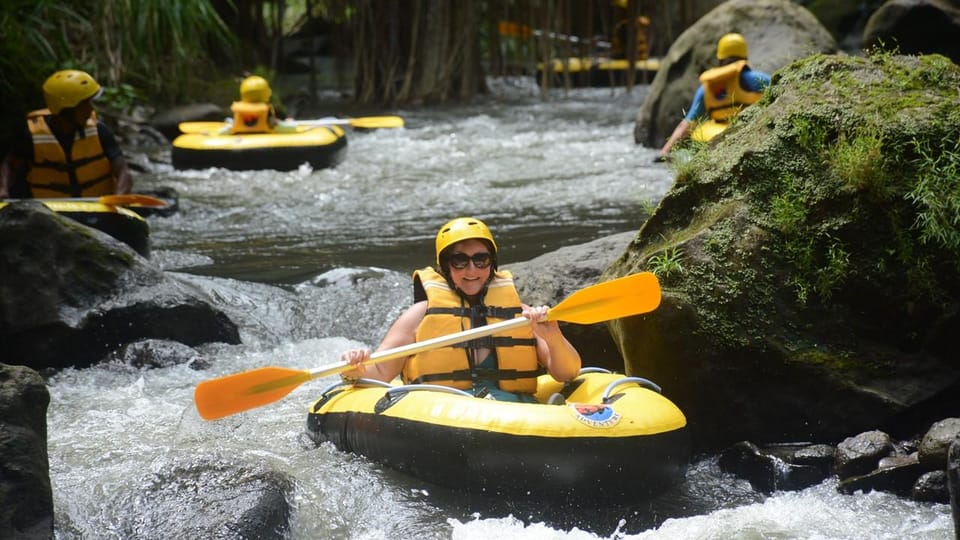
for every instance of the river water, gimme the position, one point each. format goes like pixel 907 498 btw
pixel 309 263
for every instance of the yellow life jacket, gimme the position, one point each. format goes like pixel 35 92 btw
pixel 251 117
pixel 723 96
pixel 85 173
pixel 447 313
pixel 618 43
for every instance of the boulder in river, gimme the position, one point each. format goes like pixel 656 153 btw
pixel 70 294
pixel 809 257
pixel 26 500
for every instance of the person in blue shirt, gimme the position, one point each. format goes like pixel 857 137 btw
pixel 723 92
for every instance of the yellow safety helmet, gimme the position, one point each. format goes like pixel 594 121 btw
pixel 255 89
pixel 68 88
pixel 464 228
pixel 731 45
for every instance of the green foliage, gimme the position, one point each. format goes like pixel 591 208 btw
pixel 818 273
pixel 821 262
pixel 666 263
pixel 788 209
pixel 810 135
pixel 160 46
pixel 688 158
pixel 648 206
pixel 936 193
pixel 160 50
pixel 121 97
pixel 33 43
pixel 860 162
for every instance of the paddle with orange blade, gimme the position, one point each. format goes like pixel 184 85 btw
pixel 362 122
pixel 132 199
pixel 124 199
pixel 622 297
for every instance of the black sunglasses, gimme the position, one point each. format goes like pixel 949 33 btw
pixel 480 260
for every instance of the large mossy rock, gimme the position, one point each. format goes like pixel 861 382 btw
pixel 810 258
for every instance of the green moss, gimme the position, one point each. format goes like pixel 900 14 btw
pixel 845 362
pixel 847 172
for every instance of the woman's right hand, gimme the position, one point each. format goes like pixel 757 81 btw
pixel 356 358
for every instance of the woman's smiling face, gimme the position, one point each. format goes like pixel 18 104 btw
pixel 470 280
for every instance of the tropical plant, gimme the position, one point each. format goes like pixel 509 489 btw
pixel 32 41
pixel 936 193
pixel 666 263
pixel 164 50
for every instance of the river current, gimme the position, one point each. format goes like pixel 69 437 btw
pixel 309 263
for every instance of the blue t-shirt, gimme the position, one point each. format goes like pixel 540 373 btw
pixel 750 79
pixel 493 389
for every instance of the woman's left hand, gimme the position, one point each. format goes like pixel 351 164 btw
pixel 537 315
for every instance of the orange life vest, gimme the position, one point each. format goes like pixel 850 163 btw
pixel 86 172
pixel 251 117
pixel 723 96
pixel 447 313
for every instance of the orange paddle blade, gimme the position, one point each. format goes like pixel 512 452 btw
pixel 216 398
pixel 621 297
pixel 132 199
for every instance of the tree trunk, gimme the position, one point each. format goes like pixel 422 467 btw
pixel 419 51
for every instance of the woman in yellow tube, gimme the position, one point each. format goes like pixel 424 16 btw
pixel 466 290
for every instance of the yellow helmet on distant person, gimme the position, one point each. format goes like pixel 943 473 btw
pixel 255 89
pixel 68 88
pixel 732 45
pixel 463 228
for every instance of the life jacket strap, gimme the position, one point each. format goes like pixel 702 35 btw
pixel 477 311
pixel 479 374
pixel 492 342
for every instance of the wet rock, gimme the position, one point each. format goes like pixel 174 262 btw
pixel 897 461
pixel 859 455
pixel 845 19
pixel 766 472
pixel 166 121
pixel 936 443
pixel 820 456
pixel 224 500
pixel 69 294
pixel 931 487
pixel 953 483
pixel 916 27
pixel 898 479
pixel 26 500
pixel 157 353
